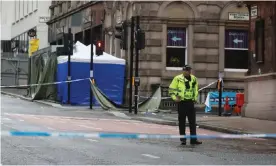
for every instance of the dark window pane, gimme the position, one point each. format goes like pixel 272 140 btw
pixel 236 59
pixel 236 39
pixel 76 19
pixel 176 37
pixel 176 57
pixel 79 37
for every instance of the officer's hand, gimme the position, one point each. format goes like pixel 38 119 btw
pixel 177 99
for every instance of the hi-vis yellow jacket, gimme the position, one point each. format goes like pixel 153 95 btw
pixel 178 88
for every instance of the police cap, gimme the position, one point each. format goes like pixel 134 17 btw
pixel 187 67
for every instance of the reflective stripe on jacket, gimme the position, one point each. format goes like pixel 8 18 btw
pixel 178 88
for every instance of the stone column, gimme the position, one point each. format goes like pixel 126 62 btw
pixel 221 47
pixel 117 48
pixel 190 47
pixel 164 46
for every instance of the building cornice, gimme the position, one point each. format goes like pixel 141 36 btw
pixel 189 21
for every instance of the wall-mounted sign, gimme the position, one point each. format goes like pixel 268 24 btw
pixel 236 39
pixel 239 16
pixel 176 37
pixel 254 11
pixel 43 19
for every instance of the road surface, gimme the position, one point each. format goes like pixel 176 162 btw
pixel 21 115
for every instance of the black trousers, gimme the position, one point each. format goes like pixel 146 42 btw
pixel 186 109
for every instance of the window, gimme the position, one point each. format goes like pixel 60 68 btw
pixel 22 43
pixel 30 6
pixel 176 48
pixel 69 4
pixel 36 4
pixel 52 12
pixel 21 9
pixel 236 50
pixel 26 42
pixel 60 8
pixel 25 7
pixel 17 10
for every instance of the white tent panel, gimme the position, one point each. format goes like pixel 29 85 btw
pixel 82 53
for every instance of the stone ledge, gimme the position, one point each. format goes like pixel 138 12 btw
pixel 262 77
pixel 150 57
pixel 206 73
pixel 154 42
pixel 206 59
pixel 150 72
pixel 234 79
pixel 152 27
pixel 206 29
pixel 206 44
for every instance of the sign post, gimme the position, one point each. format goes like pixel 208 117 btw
pixel 131 63
pixel 91 61
pixel 136 63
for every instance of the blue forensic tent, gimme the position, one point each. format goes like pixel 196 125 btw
pixel 109 74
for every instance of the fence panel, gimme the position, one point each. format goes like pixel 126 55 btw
pixel 14 69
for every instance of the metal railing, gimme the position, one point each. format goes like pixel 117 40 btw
pixel 169 104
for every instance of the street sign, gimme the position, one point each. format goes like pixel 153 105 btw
pixel 176 39
pixel 254 11
pixel 239 16
pixel 43 19
pixel 236 41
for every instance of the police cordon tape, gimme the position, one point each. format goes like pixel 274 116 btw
pixel 77 80
pixel 128 135
pixel 51 83
pixel 170 97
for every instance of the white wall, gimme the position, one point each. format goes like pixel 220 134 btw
pixel 7 16
pixel 26 16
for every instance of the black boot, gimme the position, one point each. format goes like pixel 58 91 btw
pixel 196 142
pixel 183 142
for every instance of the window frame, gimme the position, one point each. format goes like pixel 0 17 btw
pixel 235 49
pixel 184 47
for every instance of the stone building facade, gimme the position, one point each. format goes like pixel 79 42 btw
pixel 210 36
pixel 260 86
pixel 77 16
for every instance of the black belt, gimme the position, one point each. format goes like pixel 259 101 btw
pixel 187 100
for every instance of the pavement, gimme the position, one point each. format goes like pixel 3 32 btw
pixel 18 114
pixel 232 124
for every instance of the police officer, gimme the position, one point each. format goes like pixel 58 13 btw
pixel 184 91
